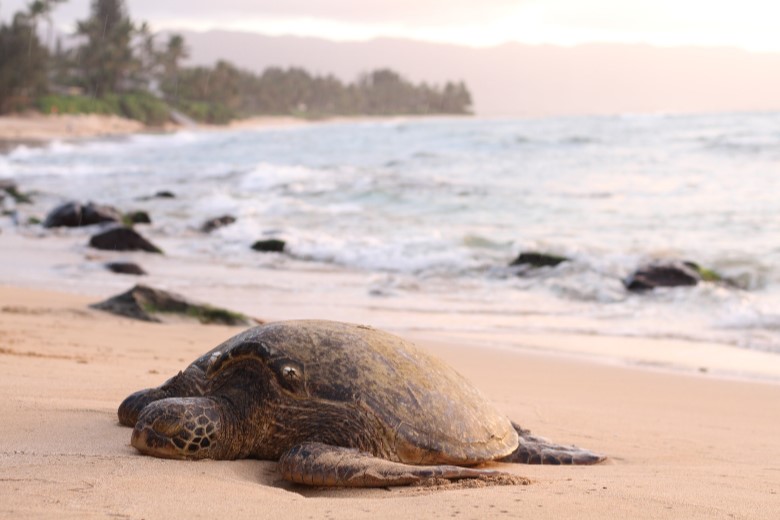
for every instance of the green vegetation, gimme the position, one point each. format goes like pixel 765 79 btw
pixel 214 113
pixel 23 60
pixel 61 104
pixel 708 275
pixel 221 93
pixel 141 106
pixel 205 314
pixel 136 217
pixel 105 63
pixel 127 220
pixel 144 107
pixel 18 196
pixel 120 69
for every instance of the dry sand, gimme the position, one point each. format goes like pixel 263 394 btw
pixel 41 128
pixel 680 445
pixel 35 128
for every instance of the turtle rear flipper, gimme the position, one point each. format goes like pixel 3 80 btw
pixel 538 450
pixel 318 464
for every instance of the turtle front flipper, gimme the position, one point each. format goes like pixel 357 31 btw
pixel 189 383
pixel 318 464
pixel 538 450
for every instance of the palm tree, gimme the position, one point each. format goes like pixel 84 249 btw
pixel 106 60
pixel 42 9
pixel 173 54
pixel 23 64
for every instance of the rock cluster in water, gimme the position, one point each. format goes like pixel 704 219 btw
pixel 656 274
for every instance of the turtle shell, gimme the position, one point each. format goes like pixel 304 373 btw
pixel 438 417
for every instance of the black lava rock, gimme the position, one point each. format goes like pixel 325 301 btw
pixel 149 304
pixel 125 268
pixel 674 274
pixel 216 223
pixel 533 259
pixel 75 214
pixel 271 245
pixel 122 239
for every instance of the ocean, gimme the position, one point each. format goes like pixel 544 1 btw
pixel 421 218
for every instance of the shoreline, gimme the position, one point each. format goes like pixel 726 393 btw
pixel 678 446
pixel 40 129
pixel 62 262
pixel 36 129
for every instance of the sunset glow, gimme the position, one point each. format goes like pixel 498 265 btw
pixel 559 22
pixel 750 24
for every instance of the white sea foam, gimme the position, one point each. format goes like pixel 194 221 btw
pixel 441 207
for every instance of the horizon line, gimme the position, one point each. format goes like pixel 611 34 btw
pixel 604 43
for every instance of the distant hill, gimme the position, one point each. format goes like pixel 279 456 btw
pixel 529 80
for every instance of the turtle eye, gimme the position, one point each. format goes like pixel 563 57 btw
pixel 290 375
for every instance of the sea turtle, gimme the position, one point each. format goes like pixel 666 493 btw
pixel 336 404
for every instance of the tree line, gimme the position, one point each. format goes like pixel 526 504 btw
pixel 118 66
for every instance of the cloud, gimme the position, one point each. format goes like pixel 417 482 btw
pixel 348 19
pixel 470 22
pixel 381 12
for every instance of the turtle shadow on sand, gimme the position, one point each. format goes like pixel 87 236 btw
pixel 336 405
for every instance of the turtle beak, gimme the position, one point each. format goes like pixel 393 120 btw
pixel 176 428
pixel 149 442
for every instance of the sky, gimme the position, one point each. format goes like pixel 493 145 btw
pixel 745 24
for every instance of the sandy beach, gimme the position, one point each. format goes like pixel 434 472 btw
pixel 690 427
pixel 40 128
pixel 35 128
pixel 680 445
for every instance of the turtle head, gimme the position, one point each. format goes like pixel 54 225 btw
pixel 266 366
pixel 189 383
pixel 232 419
pixel 183 428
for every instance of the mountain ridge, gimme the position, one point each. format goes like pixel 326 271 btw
pixel 516 79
